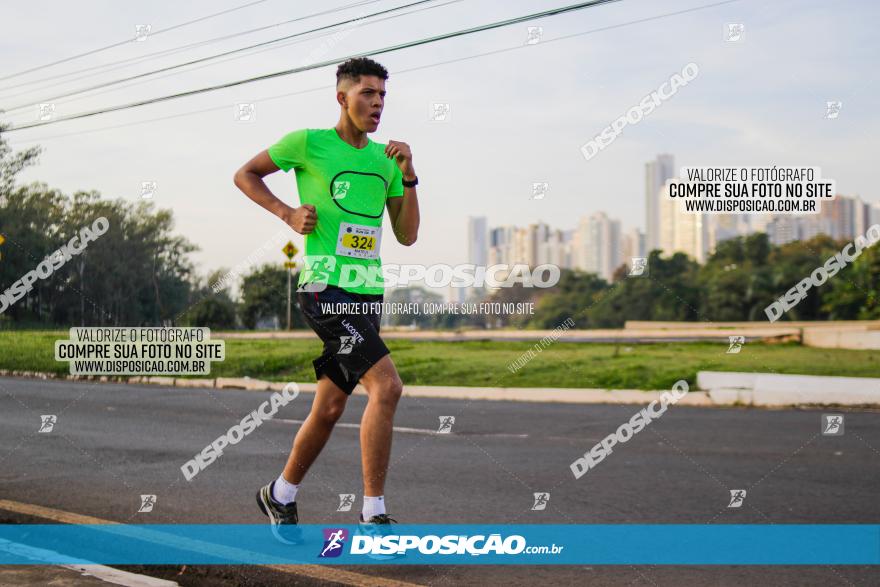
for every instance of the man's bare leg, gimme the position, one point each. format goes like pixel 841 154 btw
pixel 327 407
pixel 383 387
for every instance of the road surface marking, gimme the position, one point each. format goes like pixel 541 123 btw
pixel 104 573
pixel 120 577
pixel 411 430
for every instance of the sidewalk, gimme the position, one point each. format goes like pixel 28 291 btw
pixel 712 389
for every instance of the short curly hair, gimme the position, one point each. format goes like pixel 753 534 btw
pixel 354 68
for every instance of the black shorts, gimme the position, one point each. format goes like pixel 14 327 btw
pixel 351 337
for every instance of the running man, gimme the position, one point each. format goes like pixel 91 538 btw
pixel 345 182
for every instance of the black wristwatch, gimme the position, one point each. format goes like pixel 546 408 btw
pixel 411 184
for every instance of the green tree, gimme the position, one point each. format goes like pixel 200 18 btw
pixel 264 295
pixel 137 273
pixel 571 298
pixel 854 294
pixel 795 261
pixel 30 220
pixel 736 281
pixel 12 163
pixel 667 291
pixel 210 308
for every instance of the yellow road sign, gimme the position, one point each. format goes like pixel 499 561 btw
pixel 289 250
pixel 290 265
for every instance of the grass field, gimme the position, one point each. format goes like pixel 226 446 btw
pixel 596 365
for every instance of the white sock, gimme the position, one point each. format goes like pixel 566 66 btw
pixel 284 491
pixel 373 506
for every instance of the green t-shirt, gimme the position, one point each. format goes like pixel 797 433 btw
pixel 348 188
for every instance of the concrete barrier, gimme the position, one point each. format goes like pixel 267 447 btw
pixel 774 389
pixel 833 334
pixel 811 384
pixel 856 339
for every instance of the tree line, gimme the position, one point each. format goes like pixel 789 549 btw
pixel 739 280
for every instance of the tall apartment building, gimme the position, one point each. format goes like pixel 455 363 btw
pixel 682 231
pixel 596 247
pixel 657 173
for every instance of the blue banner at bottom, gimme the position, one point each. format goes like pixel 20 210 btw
pixel 454 544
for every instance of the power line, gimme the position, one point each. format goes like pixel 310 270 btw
pixel 120 43
pixel 212 57
pixel 397 72
pixel 272 48
pixel 109 66
pixel 434 39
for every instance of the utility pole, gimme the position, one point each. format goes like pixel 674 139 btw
pixel 289 251
pixel 82 287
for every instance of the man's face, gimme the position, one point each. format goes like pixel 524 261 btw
pixel 364 101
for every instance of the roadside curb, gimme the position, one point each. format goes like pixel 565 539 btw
pixel 75 575
pixel 718 389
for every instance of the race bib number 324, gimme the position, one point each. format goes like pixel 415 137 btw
pixel 356 240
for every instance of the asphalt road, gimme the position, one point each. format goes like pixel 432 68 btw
pixel 111 443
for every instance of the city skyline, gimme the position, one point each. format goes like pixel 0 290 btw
pixel 598 244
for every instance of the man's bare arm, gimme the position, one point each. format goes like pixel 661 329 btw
pixel 404 210
pixel 404 214
pixel 249 179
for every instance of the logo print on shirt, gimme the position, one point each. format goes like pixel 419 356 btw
pixel 340 189
pixel 363 193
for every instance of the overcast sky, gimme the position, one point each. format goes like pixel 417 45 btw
pixel 518 115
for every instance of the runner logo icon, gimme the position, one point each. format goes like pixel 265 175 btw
pixel 639 265
pixel 737 497
pixel 346 344
pixel 446 423
pixel 340 189
pixel 346 500
pixel 147 503
pixel 541 500
pixel 736 343
pixel 334 539
pixel 832 424
pixel 47 423
pixel 319 269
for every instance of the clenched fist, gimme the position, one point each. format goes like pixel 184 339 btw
pixel 402 155
pixel 302 219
